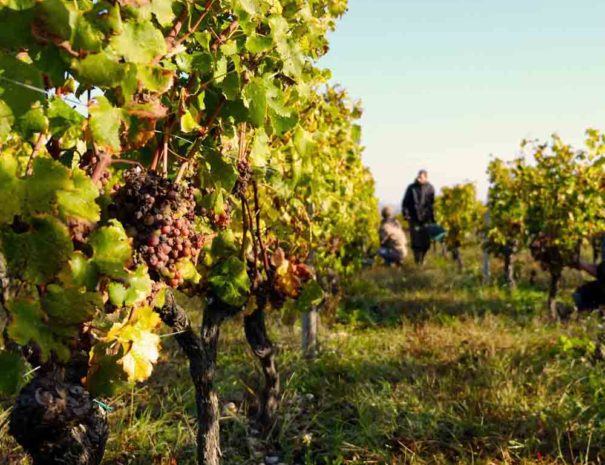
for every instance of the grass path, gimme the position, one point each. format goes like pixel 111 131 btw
pixel 416 368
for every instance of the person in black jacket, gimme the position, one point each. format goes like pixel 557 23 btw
pixel 418 210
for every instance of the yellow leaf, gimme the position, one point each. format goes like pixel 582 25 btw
pixel 140 344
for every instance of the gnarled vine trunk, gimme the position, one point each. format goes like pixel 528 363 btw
pixel 509 276
pixel 57 422
pixel 458 258
pixel 201 350
pixel 256 334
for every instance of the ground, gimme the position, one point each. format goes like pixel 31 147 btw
pixel 416 367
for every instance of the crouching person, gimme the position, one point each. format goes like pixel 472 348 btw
pixel 591 295
pixel 393 242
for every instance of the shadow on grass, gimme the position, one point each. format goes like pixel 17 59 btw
pixel 461 407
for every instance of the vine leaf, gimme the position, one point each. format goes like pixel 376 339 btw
pixel 105 122
pixel 12 367
pixel 136 291
pixel 80 272
pixel 79 201
pixel 255 98
pixel 139 42
pixel 27 325
pixel 101 69
pixel 230 281
pixel 111 250
pixel 70 305
pixel 41 188
pixel 139 343
pixel 40 253
pixel 11 189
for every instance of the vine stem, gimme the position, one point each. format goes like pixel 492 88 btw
pixel 39 143
pixel 198 142
pixel 224 35
pixel 258 233
pixel 104 162
pixel 171 41
pixel 248 212
pixel 181 172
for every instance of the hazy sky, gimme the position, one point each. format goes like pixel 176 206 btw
pixel 446 83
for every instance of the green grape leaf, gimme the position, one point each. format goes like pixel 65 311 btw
pixel 39 254
pixel 58 18
pixel 311 294
pixel 48 177
pixel 13 74
pixel 101 69
pixel 105 122
pixel 155 78
pixel 12 367
pixel 79 201
pixel 162 9
pixel 202 62
pixel 259 149
pixel 188 271
pixel 62 117
pixel 139 42
pixel 221 173
pixel 80 272
pixel 105 376
pixel 230 281
pixel 27 325
pixel 137 290
pixel 255 98
pixel 6 120
pixel 220 69
pixel 258 44
pixel 249 6
pixel 70 305
pixel 188 123
pixel 282 124
pixel 16 25
pixel 117 294
pixel 224 245
pixel 111 250
pixel 231 86
pixel 139 286
pixel 303 142
pixel 33 121
pixel 11 189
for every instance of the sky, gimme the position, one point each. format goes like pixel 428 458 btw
pixel 446 84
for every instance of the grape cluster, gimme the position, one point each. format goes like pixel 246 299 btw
pixel 218 220
pixel 158 214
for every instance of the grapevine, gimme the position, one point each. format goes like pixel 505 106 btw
pixel 132 135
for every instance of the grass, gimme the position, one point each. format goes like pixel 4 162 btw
pixel 416 367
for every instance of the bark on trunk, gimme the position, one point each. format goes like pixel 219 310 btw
pixel 201 350
pixel 509 277
pixel 256 334
pixel 56 421
pixel 206 398
pixel 555 278
pixel 309 333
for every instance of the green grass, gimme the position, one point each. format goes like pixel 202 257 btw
pixel 416 367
